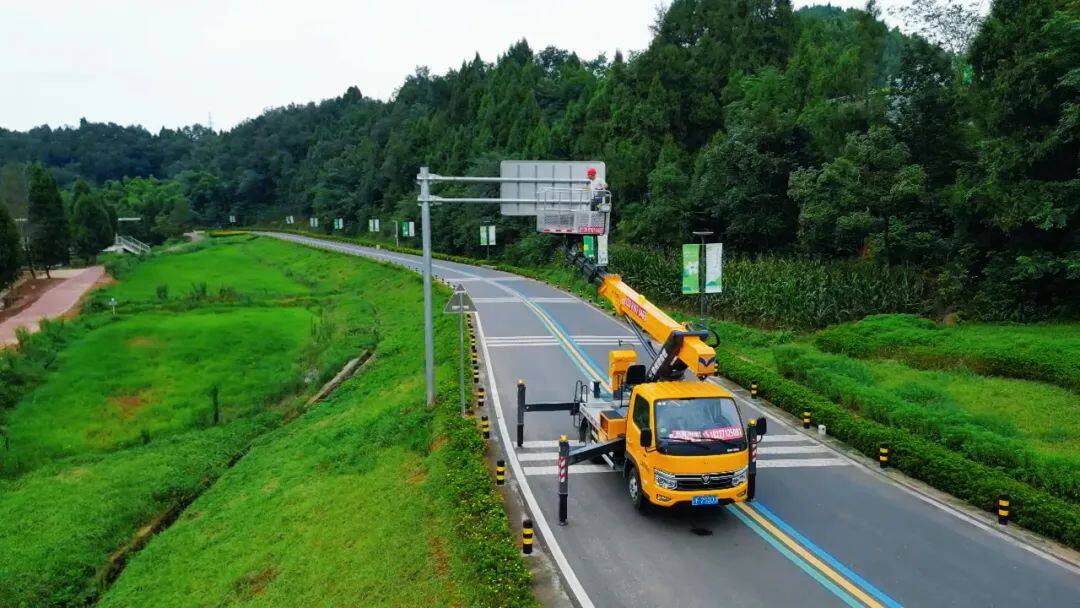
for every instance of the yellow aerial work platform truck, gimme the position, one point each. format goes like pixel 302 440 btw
pixel 676 438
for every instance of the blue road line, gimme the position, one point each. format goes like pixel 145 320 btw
pixel 826 557
pixel 805 567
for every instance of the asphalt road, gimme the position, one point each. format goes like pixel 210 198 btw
pixel 822 532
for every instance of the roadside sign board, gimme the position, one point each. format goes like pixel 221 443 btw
pixel 412 229
pixel 487 235
pixel 601 250
pixel 408 228
pixel 542 169
pixel 714 267
pixel 691 262
pixel 459 303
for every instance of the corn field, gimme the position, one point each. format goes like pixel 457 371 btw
pixel 781 292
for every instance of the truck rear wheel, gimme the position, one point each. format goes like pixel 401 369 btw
pixel 634 490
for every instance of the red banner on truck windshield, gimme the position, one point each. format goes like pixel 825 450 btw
pixel 724 433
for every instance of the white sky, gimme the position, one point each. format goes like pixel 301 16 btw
pixel 175 63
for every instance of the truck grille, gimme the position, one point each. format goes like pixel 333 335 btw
pixel 716 481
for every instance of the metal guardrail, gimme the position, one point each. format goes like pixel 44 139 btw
pixel 131 244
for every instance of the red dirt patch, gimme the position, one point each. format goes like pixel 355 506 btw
pixel 141 341
pixel 438 443
pixel 130 404
pixel 253 584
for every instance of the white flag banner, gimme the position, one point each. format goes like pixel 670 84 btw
pixel 491 235
pixel 714 267
pixel 601 250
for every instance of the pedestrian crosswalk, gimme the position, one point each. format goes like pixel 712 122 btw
pixel 550 340
pixel 780 451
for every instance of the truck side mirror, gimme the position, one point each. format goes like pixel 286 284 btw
pixel 761 425
pixel 646 438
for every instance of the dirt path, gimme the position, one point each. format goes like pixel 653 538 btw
pixel 53 303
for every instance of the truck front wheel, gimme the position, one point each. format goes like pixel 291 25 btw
pixel 633 488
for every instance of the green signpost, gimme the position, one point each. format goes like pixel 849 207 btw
pixel 691 268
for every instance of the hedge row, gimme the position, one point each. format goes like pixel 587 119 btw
pixel 483 544
pixel 930 462
pixel 846 381
pixel 1033 352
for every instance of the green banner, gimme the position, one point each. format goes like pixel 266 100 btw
pixel 691 268
pixel 483 236
pixel 589 246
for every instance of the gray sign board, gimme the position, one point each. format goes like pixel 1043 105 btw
pixel 544 169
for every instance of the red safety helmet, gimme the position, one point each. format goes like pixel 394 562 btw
pixel 591 172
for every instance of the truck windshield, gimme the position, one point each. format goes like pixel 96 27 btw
pixel 701 421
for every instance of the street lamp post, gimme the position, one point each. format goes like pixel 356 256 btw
pixel 702 234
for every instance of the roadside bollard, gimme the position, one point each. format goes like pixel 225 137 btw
pixel 476 376
pixel 521 413
pixel 479 396
pixel 751 475
pixel 485 427
pixel 883 455
pixel 564 479
pixel 526 537
pixel 1003 509
pixel 806 419
pixel 500 472
pixel 753 390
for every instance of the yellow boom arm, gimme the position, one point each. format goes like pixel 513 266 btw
pixel 698 356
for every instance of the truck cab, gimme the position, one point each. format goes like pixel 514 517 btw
pixel 686 442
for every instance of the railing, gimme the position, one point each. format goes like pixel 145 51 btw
pixel 131 244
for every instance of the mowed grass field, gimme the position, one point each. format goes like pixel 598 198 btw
pixel 308 513
pixel 152 373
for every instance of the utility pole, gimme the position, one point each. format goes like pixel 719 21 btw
pixel 425 238
pixel 702 234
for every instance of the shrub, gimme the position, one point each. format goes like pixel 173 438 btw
pixel 162 292
pixel 932 463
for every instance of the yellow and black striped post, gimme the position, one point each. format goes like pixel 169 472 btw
pixel 479 396
pixel 476 375
pixel 806 419
pixel 485 427
pixel 883 455
pixel 564 478
pixel 1003 509
pixel 753 390
pixel 526 537
pixel 500 472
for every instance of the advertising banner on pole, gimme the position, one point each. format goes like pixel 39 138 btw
pixel 483 236
pixel 376 224
pixel 714 267
pixel 588 246
pixel 691 271
pixel 601 250
pixel 404 228
pixel 412 229
pixel 491 235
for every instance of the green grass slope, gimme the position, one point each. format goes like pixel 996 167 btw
pixel 1047 352
pixel 371 498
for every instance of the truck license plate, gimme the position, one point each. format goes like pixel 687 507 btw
pixel 698 501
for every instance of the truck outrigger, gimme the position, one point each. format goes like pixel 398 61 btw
pixel 676 438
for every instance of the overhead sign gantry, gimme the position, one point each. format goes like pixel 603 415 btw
pixel 567 197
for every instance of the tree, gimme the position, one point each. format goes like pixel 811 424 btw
pixel 91 226
pixel 864 201
pixel 49 231
pixel 10 247
pixel 948 23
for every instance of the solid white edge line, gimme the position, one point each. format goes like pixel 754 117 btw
pixel 576 588
pixel 798 463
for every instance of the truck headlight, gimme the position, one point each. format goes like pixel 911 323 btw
pixel 664 479
pixel 739 477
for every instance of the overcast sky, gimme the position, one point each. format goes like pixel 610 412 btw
pixel 170 64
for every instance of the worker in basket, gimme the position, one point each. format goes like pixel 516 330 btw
pixel 595 189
